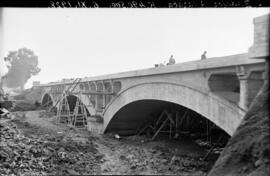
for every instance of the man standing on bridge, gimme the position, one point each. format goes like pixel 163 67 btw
pixel 171 61
pixel 203 56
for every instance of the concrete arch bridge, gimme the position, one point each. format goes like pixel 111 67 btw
pixel 219 89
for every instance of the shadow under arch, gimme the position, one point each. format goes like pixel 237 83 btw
pixel 133 117
pixel 47 100
pixel 226 85
pixel 71 100
pixel 218 110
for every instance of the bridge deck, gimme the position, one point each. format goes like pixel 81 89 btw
pixel 215 62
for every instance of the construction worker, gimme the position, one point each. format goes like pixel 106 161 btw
pixel 171 61
pixel 203 56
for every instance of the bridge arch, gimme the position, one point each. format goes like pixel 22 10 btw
pixel 100 97
pixel 82 86
pixel 93 98
pixel 117 86
pixel 72 99
pixel 108 88
pixel 47 100
pixel 216 109
pixel 86 86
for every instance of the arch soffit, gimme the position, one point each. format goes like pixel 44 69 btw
pixel 203 91
pixel 48 93
pixel 85 100
pixel 212 97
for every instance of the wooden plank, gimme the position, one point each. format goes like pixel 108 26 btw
pixel 170 130
pixel 79 113
pixel 141 125
pixel 46 104
pixel 159 118
pixel 150 126
pixel 164 131
pixel 163 124
pixel 176 121
pixel 145 127
pixel 206 156
pixel 148 120
pixel 95 93
pixel 63 111
pixel 183 118
pixel 76 81
pixel 169 116
pixel 208 131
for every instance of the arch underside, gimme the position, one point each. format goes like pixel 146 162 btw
pixel 72 100
pixel 47 100
pixel 134 116
pixel 155 95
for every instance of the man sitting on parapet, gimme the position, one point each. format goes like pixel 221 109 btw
pixel 171 61
pixel 203 56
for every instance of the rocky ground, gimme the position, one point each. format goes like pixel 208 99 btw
pixel 34 144
pixel 29 149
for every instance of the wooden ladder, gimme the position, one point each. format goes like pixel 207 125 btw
pixel 70 89
pixel 79 115
pixel 63 114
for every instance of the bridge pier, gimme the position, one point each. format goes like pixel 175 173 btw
pixel 250 83
pixel 95 126
pixel 243 102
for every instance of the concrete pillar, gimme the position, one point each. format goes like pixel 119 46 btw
pixel 100 97
pixel 111 82
pixel 96 96
pixel 243 101
pixel 103 96
pixel 266 71
pixel 243 81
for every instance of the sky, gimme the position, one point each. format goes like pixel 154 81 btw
pixel 74 43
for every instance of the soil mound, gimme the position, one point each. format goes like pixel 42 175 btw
pixel 248 150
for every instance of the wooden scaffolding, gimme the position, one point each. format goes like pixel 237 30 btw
pixel 67 91
pixel 167 122
pixel 174 123
pixel 79 117
pixel 63 113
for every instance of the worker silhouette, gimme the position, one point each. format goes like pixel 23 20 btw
pixel 203 56
pixel 171 61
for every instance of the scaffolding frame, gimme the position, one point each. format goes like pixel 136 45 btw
pixel 79 116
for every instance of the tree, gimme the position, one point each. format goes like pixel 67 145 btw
pixel 21 64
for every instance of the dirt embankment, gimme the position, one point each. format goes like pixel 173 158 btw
pixel 248 151
pixel 37 147
pixel 35 143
